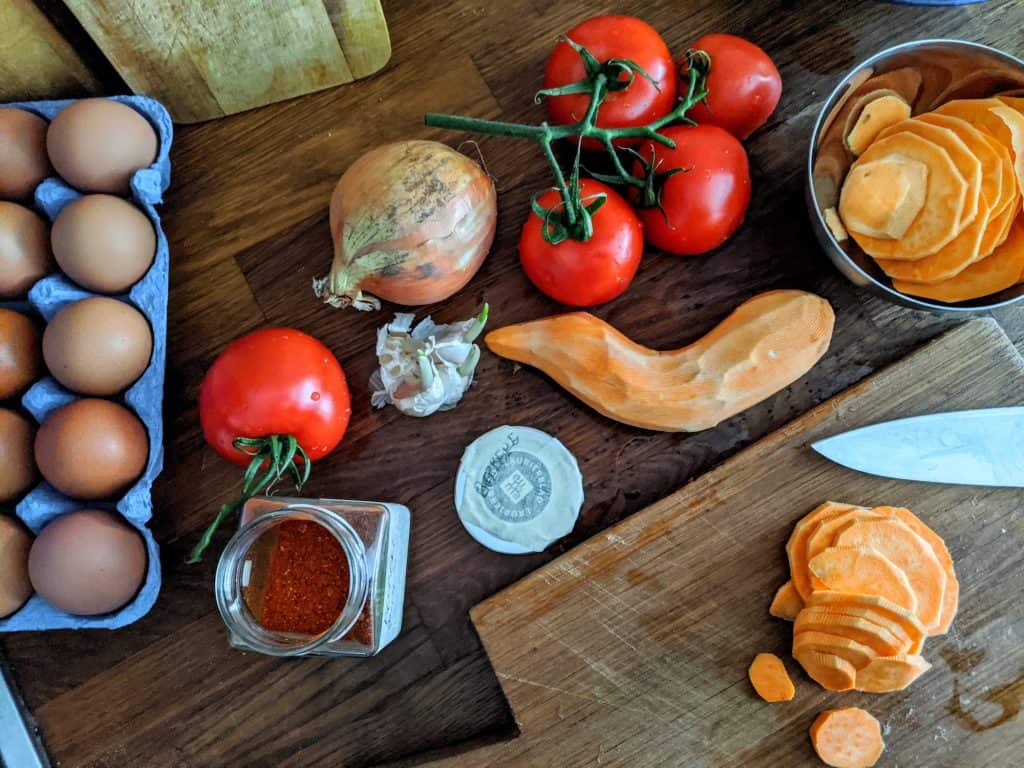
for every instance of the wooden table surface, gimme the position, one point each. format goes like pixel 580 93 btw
pixel 246 218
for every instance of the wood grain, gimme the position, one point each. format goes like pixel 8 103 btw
pixel 632 650
pixel 36 62
pixel 209 58
pixel 246 219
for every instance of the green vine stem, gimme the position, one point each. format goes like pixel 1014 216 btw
pixel 601 79
pixel 272 458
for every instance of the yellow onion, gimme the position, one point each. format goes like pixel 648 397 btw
pixel 411 222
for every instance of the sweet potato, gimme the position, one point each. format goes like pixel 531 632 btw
pixel 787 602
pixel 835 225
pixel 827 670
pixel 993 116
pixel 767 343
pixel 882 198
pixel 796 547
pixel 858 654
pixel 824 534
pixel 902 547
pixel 863 571
pixel 998 271
pixel 892 673
pixel 768 675
pixel 899 621
pixel 945 199
pixel 866 632
pixel 847 738
pixel 886 108
pixel 951 597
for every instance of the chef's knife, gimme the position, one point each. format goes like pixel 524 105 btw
pixel 982 447
pixel 20 746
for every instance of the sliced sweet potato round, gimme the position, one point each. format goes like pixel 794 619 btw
pixel 893 673
pixel 824 534
pixel 1002 269
pixel 877 111
pixel 951 598
pixel 864 571
pixel 882 198
pixel 993 116
pixel 983 147
pixel 866 632
pixel 847 738
pixel 796 547
pixel 770 679
pixel 910 553
pixel 827 670
pixel 965 161
pixel 858 654
pixel 787 602
pixel 898 620
pixel 945 198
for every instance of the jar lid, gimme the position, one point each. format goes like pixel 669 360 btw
pixel 518 489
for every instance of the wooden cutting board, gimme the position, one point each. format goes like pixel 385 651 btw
pixel 209 58
pixel 632 649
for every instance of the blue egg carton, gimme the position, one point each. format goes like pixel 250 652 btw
pixel 145 397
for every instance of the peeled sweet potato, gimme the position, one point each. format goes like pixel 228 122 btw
pixel 767 343
pixel 885 109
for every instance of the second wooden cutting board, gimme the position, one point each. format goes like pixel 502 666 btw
pixel 632 649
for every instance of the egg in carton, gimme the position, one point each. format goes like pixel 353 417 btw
pixel 145 397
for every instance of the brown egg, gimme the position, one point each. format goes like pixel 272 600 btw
pixel 15 587
pixel 97 144
pixel 97 346
pixel 23 160
pixel 24 250
pixel 103 243
pixel 21 359
pixel 87 562
pixel 17 466
pixel 91 449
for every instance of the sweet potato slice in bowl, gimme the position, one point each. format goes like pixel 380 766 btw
pixel 951 598
pixel 893 673
pixel 882 198
pixel 910 553
pixel 864 631
pixel 1002 269
pixel 847 738
pixel 787 602
pixel 945 198
pixel 827 670
pixel 858 654
pixel 899 621
pixel 864 571
pixel 992 116
pixel 796 547
pixel 878 111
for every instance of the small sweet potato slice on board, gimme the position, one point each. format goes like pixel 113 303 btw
pixel 899 621
pixel 787 602
pixel 945 200
pixel 864 631
pixel 1002 269
pixel 951 598
pixel 863 571
pixel 770 679
pixel 847 738
pixel 796 547
pixel 893 673
pixel 858 654
pixel 827 670
pixel 901 546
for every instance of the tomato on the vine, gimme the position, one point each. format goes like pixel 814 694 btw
pixel 276 381
pixel 744 86
pixel 611 37
pixel 702 188
pixel 583 274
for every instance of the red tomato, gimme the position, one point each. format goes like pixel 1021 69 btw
pixel 743 86
pixel 704 204
pixel 613 37
pixel 585 274
pixel 276 381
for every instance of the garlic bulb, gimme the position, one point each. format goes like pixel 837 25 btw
pixel 427 368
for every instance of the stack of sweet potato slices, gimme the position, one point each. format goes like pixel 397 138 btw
pixel 935 199
pixel 866 587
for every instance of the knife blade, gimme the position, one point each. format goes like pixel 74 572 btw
pixel 979 447
pixel 20 746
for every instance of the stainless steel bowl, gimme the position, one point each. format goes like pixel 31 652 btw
pixel 948 69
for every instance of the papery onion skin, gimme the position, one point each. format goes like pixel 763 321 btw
pixel 411 222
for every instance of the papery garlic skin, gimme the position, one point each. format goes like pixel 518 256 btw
pixel 426 368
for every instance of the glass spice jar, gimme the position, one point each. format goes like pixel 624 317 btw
pixel 314 576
